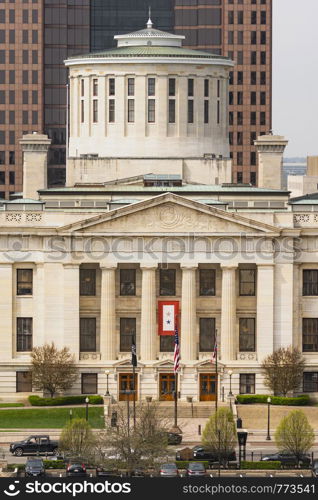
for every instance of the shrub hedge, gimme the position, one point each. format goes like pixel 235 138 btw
pixel 64 400
pixel 260 465
pixel 249 399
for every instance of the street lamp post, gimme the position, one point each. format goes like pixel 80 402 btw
pixel 107 372
pixel 86 401
pixel 230 375
pixel 269 400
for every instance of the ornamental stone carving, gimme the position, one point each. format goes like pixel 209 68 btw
pixel 247 356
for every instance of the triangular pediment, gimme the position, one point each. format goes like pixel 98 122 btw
pixel 169 213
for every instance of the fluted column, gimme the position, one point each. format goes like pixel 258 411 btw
pixel 228 313
pixel 6 304
pixel 148 313
pixel 188 313
pixel 265 310
pixel 71 308
pixel 108 312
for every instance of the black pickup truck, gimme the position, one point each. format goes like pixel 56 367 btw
pixel 34 444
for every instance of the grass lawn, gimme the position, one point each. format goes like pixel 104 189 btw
pixel 48 418
pixel 11 405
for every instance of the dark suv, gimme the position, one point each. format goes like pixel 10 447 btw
pixel 34 467
pixel 287 459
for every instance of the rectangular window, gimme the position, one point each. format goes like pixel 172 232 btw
pixel 253 178
pixel 82 111
pixel 172 86
pixel 95 110
pixel 253 158
pixel 206 111
pixel 190 111
pixel 218 114
pixel 253 118
pixel 310 334
pixel 127 281
pixel 253 17
pixel 35 118
pixel 89 383
pixel 24 281
pixel 247 282
pixel 11 157
pixel 240 57
pixel 247 335
pixel 167 282
pixel 207 282
pixel 35 58
pixel 310 282
pixel 11 56
pixel 34 97
pixel 239 98
pixel 2 162
pixel 190 87
pixel 240 17
pixel 34 16
pixel 172 111
pixel 131 86
pixel 253 98
pixel 239 177
pixel 230 17
pixel 262 118
pixel 111 88
pixel 263 37
pixel 11 178
pixel 23 381
pixel 253 138
pixel 34 77
pixel 2 174
pixel 87 282
pixel 310 382
pixel 247 383
pixel 11 36
pixel 230 37
pixel 263 57
pixel 253 38
pixel 166 343
pixel 263 17
pixel 87 334
pixel 11 76
pixel 240 117
pixel 239 158
pixel 95 87
pixel 131 110
pixel 11 137
pixel 262 98
pixel 207 334
pixel 151 86
pixel 25 36
pixel 127 333
pixel 111 110
pixel 240 37
pixel 239 138
pixel 206 88
pixel 263 78
pixel 24 334
pixel 35 36
pixel 253 77
pixel 253 58
pixel 25 16
pixel 151 110
pixel 240 77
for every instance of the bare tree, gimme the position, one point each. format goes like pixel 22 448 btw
pixel 283 370
pixel 135 447
pixel 294 434
pixel 52 369
pixel 219 434
pixel 77 440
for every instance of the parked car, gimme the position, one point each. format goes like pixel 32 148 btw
pixel 204 453
pixel 76 469
pixel 196 469
pixel 102 472
pixel 314 468
pixel 174 438
pixel 168 470
pixel 34 467
pixel 287 459
pixel 34 444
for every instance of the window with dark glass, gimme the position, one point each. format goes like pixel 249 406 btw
pixel 263 17
pixel 172 111
pixel 206 88
pixel 2 162
pixel 263 78
pixel 247 383
pixel 87 282
pixel 253 158
pixel 11 178
pixel 218 114
pixel 252 138
pixel 239 158
pixel 95 110
pixel 240 57
pixel 2 174
pixel 151 86
pixel 88 334
pixel 206 111
pixel 231 77
pixel 253 17
pixel 247 281
pixel 95 87
pixel 230 36
pixel 310 282
pixel 127 333
pixel 131 86
pixel 239 138
pixel 310 382
pixel 262 98
pixel 190 87
pixel 240 37
pixel 240 77
pixel 253 118
pixel 111 88
pixel 262 118
pixel 263 57
pixel 131 110
pixel 24 381
pixel 231 117
pixel 247 335
pixel 111 110
pixel 240 17
pixel 253 98
pixel 207 334
pixel 253 58
pixel 253 38
pixel 166 343
pixel 240 117
pixel 190 111
pixel 172 87
pixel 207 282
pixel 263 37
pixel 35 36
pixel 231 100
pixel 167 282
pixel 310 334
pixel 127 281
pixel 231 138
pixel 24 281
pixel 25 16
pixel 239 98
pixel 24 334
pixel 253 178
pixel 89 383
pixel 230 18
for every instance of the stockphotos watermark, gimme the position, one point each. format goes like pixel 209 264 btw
pixel 72 488
pixel 163 249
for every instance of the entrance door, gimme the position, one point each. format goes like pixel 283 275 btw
pixel 208 386
pixel 126 384
pixel 166 386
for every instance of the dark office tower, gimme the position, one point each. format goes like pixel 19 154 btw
pixel 242 30
pixel 115 17
pixel 66 33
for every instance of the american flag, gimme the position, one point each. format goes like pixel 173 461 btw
pixel 215 352
pixel 176 355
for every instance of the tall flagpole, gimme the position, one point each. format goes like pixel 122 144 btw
pixel 134 363
pixel 176 399
pixel 216 371
pixel 134 396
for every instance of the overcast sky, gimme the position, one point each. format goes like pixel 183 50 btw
pixel 295 74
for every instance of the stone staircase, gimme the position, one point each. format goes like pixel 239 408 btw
pixel 201 410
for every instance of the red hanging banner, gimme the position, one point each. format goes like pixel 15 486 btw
pixel 167 316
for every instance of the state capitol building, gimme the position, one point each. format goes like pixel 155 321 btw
pixel 150 217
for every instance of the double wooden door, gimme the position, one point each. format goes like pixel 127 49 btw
pixel 208 386
pixel 166 386
pixel 126 383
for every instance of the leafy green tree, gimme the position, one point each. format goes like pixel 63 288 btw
pixel 219 434
pixel 78 440
pixel 294 434
pixel 283 370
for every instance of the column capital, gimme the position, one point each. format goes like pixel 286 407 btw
pixel 148 266
pixel 265 264
pixel 7 264
pixel 71 266
pixel 230 265
pixel 189 265
pixel 104 265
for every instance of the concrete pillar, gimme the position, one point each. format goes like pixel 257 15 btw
pixel 71 308
pixel 35 147
pixel 148 313
pixel 108 313
pixel 265 310
pixel 188 313
pixel 270 149
pixel 6 323
pixel 283 305
pixel 228 313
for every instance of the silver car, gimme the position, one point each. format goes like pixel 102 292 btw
pixel 168 470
